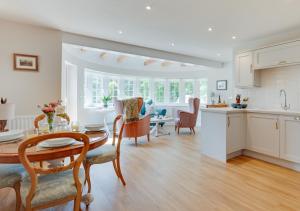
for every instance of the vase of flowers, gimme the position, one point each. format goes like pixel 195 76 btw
pixel 49 111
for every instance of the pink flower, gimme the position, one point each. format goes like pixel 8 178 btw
pixel 53 104
pixel 48 109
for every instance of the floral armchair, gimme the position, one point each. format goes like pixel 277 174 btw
pixel 133 129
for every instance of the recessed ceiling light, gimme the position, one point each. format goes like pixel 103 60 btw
pixel 210 29
pixel 120 32
pixel 172 44
pixel 218 54
pixel 148 7
pixel 233 37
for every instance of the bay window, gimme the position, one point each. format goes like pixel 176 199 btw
pixel 188 90
pixel 144 89
pixel 93 89
pixel 159 91
pixel 174 91
pixel 113 87
pixel 128 88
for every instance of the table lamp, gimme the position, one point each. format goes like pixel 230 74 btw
pixel 7 111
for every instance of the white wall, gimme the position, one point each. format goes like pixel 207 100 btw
pixel 27 89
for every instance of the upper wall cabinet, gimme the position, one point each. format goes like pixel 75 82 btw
pixel 244 72
pixel 277 55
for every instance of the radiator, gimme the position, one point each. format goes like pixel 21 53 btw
pixel 21 122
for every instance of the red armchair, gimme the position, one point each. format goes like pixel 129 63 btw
pixel 132 129
pixel 188 119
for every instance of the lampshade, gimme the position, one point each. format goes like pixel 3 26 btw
pixel 7 111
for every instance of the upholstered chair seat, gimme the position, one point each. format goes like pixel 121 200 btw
pixel 10 174
pixel 102 154
pixel 51 187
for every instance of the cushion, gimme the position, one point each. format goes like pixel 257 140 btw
pixel 51 187
pixel 162 112
pixel 143 109
pixel 102 154
pixel 10 174
pixel 149 101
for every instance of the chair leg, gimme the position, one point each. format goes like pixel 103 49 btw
pixel 87 167
pixel 175 127
pixel 148 137
pixel 135 139
pixel 120 172
pixel 115 168
pixel 77 202
pixel 178 130
pixel 18 196
pixel 193 130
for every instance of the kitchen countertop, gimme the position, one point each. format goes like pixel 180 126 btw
pixel 252 110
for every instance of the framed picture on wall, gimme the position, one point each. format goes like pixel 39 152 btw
pixel 222 85
pixel 26 62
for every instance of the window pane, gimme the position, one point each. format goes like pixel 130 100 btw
pixel 203 90
pixel 159 91
pixel 144 89
pixel 174 91
pixel 128 88
pixel 188 89
pixel 113 88
pixel 93 89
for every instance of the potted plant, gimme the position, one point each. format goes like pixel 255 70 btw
pixel 105 100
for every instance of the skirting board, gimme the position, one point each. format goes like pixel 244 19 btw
pixel 269 159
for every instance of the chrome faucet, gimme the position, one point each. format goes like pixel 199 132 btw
pixel 285 106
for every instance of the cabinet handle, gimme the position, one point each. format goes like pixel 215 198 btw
pixel 228 121
pixel 276 125
pixel 282 62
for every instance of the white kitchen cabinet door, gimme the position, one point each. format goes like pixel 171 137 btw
pixel 263 134
pixel 290 138
pixel 236 132
pixel 244 73
pixel 278 55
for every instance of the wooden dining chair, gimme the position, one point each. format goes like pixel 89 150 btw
pixel 10 176
pixel 41 117
pixel 104 154
pixel 47 187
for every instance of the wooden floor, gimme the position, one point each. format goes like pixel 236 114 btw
pixel 169 173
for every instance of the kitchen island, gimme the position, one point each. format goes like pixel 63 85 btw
pixel 270 135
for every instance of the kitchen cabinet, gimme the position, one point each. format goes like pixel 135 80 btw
pixel 222 134
pixel 277 55
pixel 244 72
pixel 236 130
pixel 290 138
pixel 263 134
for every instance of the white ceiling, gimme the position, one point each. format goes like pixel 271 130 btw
pixel 183 22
